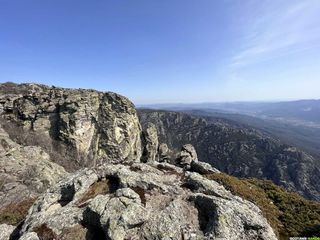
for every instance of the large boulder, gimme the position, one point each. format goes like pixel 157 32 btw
pixel 100 126
pixel 164 153
pixel 187 155
pixel 143 201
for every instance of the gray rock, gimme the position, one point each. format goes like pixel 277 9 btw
pixel 6 231
pixel 146 201
pixel 187 155
pixel 116 215
pixel 203 168
pixel 25 171
pixel 231 218
pixel 29 236
pixel 99 126
pixel 164 153
pixel 151 143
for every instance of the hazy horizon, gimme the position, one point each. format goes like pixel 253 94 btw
pixel 166 52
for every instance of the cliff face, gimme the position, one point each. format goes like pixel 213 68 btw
pixel 97 127
pixel 238 151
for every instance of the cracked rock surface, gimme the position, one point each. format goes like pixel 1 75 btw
pixel 25 171
pixel 99 126
pixel 143 201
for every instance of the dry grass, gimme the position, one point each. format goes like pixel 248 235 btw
pixel 288 213
pixel 15 213
pixel 142 193
pixel 45 233
pixel 77 232
pixel 100 187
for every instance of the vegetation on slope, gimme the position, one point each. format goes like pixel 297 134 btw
pixel 15 213
pixel 288 213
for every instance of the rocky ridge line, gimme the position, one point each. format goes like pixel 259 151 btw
pixel 143 201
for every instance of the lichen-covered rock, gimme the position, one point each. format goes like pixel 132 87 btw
pixel 100 126
pixel 151 143
pixel 187 155
pixel 25 171
pixel 164 153
pixel 6 231
pixel 203 168
pixel 145 201
pixel 30 236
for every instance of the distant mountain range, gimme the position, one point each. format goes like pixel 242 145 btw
pixel 301 112
pixel 238 149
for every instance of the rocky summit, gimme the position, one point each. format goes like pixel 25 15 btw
pixel 142 201
pixel 76 165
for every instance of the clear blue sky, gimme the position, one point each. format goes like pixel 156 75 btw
pixel 159 51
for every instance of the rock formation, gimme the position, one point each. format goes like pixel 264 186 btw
pixel 25 171
pixel 151 144
pixel 102 127
pixel 187 155
pixel 164 153
pixel 143 201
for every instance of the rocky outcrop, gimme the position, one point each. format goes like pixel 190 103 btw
pixel 151 143
pixel 164 153
pixel 143 201
pixel 25 171
pixel 187 155
pixel 238 150
pixel 202 168
pixel 97 126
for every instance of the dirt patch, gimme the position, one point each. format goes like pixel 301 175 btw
pixel 15 213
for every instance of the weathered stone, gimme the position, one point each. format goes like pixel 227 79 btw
pixel 102 127
pixel 231 218
pixel 146 201
pixel 25 171
pixel 151 143
pixel 164 153
pixel 6 231
pixel 117 215
pixel 29 236
pixel 203 168
pixel 187 155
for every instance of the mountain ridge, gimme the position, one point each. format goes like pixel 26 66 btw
pixel 238 151
pixel 123 175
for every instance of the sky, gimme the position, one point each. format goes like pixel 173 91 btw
pixel 166 51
